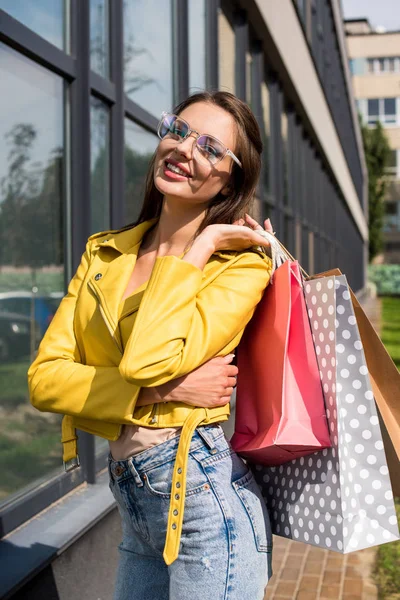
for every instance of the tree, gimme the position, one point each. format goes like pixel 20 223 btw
pixel 377 151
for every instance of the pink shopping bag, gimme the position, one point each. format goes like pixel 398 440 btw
pixel 280 408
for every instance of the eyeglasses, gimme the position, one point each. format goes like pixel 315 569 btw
pixel 175 128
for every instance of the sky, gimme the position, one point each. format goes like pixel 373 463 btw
pixel 378 12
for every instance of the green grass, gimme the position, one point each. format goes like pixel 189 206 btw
pixel 387 570
pixel 391 327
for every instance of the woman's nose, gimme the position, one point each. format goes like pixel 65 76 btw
pixel 186 147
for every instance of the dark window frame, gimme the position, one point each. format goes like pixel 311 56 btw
pixel 81 83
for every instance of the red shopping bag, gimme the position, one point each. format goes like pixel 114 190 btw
pixel 280 408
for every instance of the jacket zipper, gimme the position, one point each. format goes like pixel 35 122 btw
pixel 154 417
pixel 104 317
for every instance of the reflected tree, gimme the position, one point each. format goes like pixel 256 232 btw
pixel 136 166
pixel 30 211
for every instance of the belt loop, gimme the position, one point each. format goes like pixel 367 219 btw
pixel 207 439
pixel 109 459
pixel 135 474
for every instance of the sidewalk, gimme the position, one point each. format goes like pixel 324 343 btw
pixel 303 572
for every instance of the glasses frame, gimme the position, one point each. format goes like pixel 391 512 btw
pixel 190 131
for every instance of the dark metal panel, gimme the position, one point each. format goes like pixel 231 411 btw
pixel 23 39
pixel 241 46
pixel 212 44
pixel 117 166
pixel 80 169
pixel 101 87
pixel 140 115
pixel 180 50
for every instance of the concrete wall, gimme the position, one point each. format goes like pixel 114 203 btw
pixel 85 571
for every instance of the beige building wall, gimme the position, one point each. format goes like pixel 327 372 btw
pixel 374 45
pixel 371 82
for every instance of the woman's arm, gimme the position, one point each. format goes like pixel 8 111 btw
pixel 59 383
pixel 182 323
pixel 209 385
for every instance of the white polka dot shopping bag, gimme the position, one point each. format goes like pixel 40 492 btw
pixel 340 497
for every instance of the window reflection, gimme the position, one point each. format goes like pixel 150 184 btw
pixel 100 166
pixel 284 132
pixel 148 54
pixel 31 258
pixel 99 37
pixel 197 45
pixel 44 17
pixel 139 148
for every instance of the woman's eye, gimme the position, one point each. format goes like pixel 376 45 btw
pixel 210 150
pixel 177 131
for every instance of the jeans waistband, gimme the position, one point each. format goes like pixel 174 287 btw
pixel 166 451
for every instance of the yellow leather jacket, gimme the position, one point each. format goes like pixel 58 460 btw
pixel 186 316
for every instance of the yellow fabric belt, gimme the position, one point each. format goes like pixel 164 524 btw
pixel 69 442
pixel 178 489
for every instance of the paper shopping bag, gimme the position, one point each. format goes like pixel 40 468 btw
pixel 339 498
pixel 384 375
pixel 280 410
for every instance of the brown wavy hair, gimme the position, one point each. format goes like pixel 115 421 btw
pixel 243 181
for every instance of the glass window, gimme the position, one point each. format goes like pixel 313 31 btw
pixel 226 46
pixel 100 165
pixel 47 18
pixel 373 111
pixel 371 65
pixel 139 149
pixel 284 133
pixel 391 64
pixel 148 54
pixel 389 110
pixel 249 62
pixel 381 65
pixel 99 37
pixel 31 259
pixel 197 45
pixel 265 100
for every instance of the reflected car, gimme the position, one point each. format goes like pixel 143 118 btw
pixel 21 302
pixel 15 336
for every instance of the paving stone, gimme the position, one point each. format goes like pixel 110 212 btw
pixel 330 577
pixel 286 588
pixel 330 591
pixel 352 587
pixel 289 574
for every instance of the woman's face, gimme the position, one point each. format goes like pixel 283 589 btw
pixel 203 180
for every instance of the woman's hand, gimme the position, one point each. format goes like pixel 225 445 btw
pixel 242 234
pixel 210 385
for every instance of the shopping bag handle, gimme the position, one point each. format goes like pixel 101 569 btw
pixel 279 254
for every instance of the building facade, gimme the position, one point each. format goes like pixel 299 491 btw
pixel 83 85
pixel 375 66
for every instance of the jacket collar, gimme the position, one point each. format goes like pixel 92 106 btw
pixel 122 240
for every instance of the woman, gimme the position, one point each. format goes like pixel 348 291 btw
pixel 140 349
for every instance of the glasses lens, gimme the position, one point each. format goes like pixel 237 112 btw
pixel 211 148
pixel 173 127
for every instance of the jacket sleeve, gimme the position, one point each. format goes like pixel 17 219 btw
pixel 59 383
pixel 180 326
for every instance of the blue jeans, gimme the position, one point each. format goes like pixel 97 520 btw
pixel 226 543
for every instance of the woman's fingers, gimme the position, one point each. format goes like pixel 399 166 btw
pixel 255 225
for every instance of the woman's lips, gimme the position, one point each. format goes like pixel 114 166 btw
pixel 172 175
